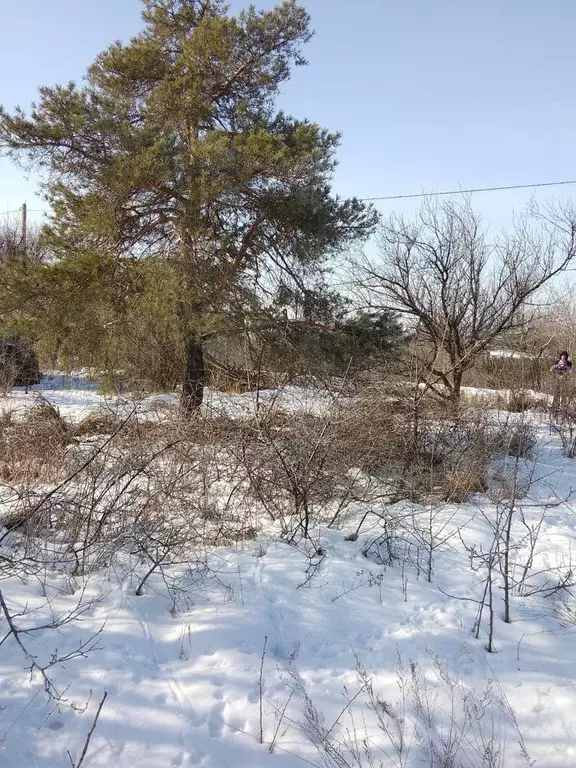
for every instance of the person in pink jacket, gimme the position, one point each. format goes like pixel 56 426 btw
pixel 563 364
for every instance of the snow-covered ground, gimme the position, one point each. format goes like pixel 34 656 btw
pixel 269 642
pixel 508 353
pixel 76 396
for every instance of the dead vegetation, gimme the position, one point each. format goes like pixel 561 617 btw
pixel 162 489
pixel 148 497
pixel 34 448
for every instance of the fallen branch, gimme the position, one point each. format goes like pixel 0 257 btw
pixel 89 736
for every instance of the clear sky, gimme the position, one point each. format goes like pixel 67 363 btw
pixel 429 94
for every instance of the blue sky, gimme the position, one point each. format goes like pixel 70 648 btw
pixel 429 94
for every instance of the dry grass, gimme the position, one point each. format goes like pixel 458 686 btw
pixel 100 422
pixel 34 449
pixel 209 481
pixel 420 448
pixel 459 485
pixel 492 372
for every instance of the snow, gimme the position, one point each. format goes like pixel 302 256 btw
pixel 76 396
pixel 183 686
pixel 508 353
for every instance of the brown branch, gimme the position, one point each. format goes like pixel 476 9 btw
pixel 89 736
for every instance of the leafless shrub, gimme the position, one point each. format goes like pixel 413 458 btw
pixel 19 627
pixel 563 414
pixel 158 493
pixel 516 440
pixel 394 544
pixel 508 565
pixel 291 468
pixel 452 455
pixel 517 374
pixel 459 484
pixel 565 611
pixel 6 418
pixel 183 511
pixel 437 720
pixel 304 468
pixel 101 421
pixel 376 447
pixel 415 448
pixel 34 448
pixel 451 458
pixel 520 401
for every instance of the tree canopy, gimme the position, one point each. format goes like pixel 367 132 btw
pixel 173 148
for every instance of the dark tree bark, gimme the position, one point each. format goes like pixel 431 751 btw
pixel 457 383
pixel 194 376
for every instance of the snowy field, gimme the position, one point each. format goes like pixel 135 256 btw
pixel 276 655
pixel 76 396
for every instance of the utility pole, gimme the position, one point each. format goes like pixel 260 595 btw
pixel 23 227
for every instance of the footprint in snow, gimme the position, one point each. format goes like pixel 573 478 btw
pixel 55 725
pixel 218 684
pixel 215 720
pixel 237 724
pixel 196 756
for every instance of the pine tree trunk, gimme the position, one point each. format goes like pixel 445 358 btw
pixel 194 377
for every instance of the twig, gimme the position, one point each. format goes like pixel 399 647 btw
pixel 82 467
pixel 261 689
pixel 280 718
pixel 15 632
pixel 89 736
pixel 241 588
pixel 281 749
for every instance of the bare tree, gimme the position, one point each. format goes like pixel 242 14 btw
pixel 16 244
pixel 461 289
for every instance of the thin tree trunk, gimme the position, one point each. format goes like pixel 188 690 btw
pixel 194 376
pixel 506 565
pixel 490 646
pixel 457 385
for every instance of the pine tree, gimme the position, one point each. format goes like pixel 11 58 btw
pixel 173 149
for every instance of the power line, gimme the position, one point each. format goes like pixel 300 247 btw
pixel 468 191
pixel 19 210
pixel 404 197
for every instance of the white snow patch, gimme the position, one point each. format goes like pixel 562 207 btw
pixel 76 396
pixel 183 690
